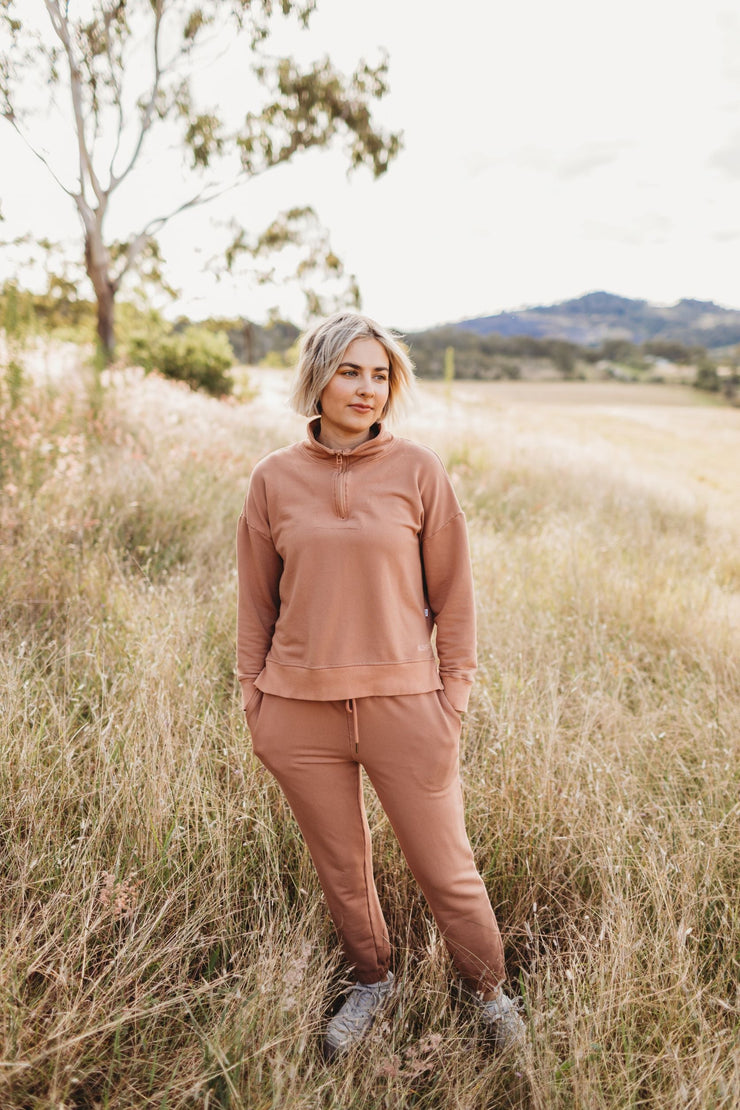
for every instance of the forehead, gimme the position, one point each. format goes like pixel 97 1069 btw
pixel 367 352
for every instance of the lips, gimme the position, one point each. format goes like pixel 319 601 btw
pixel 362 408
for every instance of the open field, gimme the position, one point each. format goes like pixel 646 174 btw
pixel 164 942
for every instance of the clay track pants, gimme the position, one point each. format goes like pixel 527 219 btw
pixel 408 745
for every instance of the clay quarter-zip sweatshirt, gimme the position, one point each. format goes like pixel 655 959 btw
pixel 347 561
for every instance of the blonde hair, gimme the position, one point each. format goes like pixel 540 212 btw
pixel 322 350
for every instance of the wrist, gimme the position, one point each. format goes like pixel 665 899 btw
pixel 457 691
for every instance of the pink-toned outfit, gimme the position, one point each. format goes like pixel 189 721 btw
pixel 348 560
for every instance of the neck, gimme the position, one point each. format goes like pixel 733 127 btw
pixel 337 442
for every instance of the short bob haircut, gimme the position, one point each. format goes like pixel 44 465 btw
pixel 321 352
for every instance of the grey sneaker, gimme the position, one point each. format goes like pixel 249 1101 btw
pixel 501 1020
pixel 353 1020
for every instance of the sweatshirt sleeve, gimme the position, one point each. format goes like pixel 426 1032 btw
pixel 449 582
pixel 259 568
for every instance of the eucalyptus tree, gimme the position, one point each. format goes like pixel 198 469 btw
pixel 117 73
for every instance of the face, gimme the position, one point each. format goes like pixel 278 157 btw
pixel 355 397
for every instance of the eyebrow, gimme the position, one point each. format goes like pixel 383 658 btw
pixel 356 366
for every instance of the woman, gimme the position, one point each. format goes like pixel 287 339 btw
pixel 352 549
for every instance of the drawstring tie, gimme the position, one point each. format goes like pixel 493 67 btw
pixel 349 705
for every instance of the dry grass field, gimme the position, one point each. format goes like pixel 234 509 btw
pixel 163 938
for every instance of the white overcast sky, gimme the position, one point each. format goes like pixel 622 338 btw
pixel 550 149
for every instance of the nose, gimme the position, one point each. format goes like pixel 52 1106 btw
pixel 366 387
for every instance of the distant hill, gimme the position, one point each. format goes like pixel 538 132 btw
pixel 590 319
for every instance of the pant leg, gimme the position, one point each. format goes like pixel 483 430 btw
pixel 409 745
pixel 309 748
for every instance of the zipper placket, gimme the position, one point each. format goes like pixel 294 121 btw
pixel 340 486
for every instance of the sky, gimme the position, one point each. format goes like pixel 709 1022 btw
pixel 549 150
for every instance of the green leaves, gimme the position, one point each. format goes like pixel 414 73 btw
pixel 195 23
pixel 255 16
pixel 204 138
pixel 310 107
pixel 308 260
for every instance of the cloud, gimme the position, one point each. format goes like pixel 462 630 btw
pixel 589 157
pixel 563 164
pixel 479 162
pixel 578 162
pixel 727 158
pixel 646 228
pixel 729 235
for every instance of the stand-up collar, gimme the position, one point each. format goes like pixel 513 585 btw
pixel 377 445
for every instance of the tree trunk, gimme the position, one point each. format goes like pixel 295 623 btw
pixel 106 314
pixel 248 339
pixel 105 293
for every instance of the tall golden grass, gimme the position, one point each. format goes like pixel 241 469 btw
pixel 164 940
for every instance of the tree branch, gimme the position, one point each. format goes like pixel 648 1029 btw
pixel 40 157
pixel 61 27
pixel 205 196
pixel 148 115
pixel 118 97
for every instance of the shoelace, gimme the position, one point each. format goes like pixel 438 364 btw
pixel 362 1001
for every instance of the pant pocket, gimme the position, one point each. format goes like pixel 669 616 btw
pixel 252 708
pixel 447 705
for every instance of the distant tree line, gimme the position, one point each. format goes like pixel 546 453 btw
pixel 495 357
pixel 202 353
pixel 485 357
pixel 59 311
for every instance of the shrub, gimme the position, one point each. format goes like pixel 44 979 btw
pixel 196 355
pixel 707 378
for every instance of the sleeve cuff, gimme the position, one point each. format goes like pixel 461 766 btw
pixel 457 692
pixel 248 688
